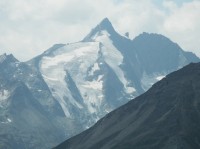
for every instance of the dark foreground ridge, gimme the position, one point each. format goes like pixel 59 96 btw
pixel 51 97
pixel 167 116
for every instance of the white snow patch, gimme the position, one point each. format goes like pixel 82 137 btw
pixel 8 120
pixel 31 75
pixel 130 90
pixel 93 93
pixel 17 64
pixel 100 77
pixel 108 110
pixel 113 58
pixel 4 94
pixel 95 85
pixel 94 68
pixel 159 78
pixel 73 59
pixel 148 80
pixel 48 78
pixel 100 96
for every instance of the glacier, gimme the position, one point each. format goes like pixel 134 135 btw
pixel 69 87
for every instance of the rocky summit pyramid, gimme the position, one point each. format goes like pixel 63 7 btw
pixel 69 87
pixel 167 116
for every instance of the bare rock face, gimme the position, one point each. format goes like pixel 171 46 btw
pixel 69 87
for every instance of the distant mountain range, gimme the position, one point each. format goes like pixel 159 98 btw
pixel 167 116
pixel 69 87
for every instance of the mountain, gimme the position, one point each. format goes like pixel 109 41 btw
pixel 27 108
pixel 105 70
pixel 167 116
pixel 69 87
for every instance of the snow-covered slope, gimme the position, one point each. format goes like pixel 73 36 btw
pixel 66 89
pixel 83 63
pixel 27 110
pixel 105 70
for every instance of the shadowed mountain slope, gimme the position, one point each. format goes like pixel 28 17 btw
pixel 69 87
pixel 167 116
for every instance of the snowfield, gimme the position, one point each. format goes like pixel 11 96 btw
pixel 81 62
pixel 4 94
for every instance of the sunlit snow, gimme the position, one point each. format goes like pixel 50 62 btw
pixel 94 68
pixel 4 94
pixel 159 78
pixel 8 120
pixel 148 80
pixel 79 61
pixel 74 60
pixel 113 58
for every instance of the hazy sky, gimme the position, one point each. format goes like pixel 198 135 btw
pixel 29 27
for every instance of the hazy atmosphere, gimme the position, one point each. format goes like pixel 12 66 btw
pixel 109 74
pixel 28 27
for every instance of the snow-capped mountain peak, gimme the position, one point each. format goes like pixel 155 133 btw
pixel 70 86
pixel 103 28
